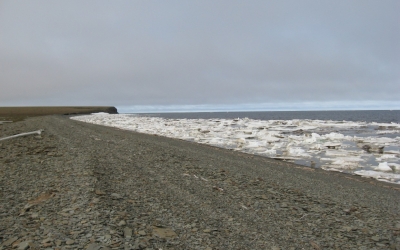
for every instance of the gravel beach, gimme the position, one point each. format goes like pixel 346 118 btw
pixel 84 186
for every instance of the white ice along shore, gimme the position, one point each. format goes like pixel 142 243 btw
pixel 366 149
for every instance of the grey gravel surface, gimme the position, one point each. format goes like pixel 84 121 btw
pixel 83 186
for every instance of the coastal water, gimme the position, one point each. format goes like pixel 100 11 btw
pixel 381 116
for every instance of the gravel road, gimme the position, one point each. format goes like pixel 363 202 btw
pixel 83 186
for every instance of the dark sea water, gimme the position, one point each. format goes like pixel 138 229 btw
pixel 383 116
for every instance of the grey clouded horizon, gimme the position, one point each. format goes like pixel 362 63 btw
pixel 201 54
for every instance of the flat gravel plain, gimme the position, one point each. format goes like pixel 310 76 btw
pixel 84 186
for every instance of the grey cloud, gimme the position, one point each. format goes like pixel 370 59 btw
pixel 198 52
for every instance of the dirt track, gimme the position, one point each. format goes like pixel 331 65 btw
pixel 84 186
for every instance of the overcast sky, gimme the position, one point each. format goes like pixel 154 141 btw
pixel 200 54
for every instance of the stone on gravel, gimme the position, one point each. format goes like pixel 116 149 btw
pixel 23 245
pixel 10 241
pixel 142 233
pixel 69 242
pixel 164 232
pixel 99 192
pixel 127 232
pixel 94 246
pixel 47 240
pixel 375 238
pixel 116 196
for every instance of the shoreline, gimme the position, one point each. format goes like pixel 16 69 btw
pixel 125 189
pixel 330 145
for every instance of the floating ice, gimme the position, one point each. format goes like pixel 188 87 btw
pixel 297 151
pixel 343 162
pixel 387 132
pixel 384 157
pixel 388 177
pixel 379 140
pixel 332 145
pixel 394 166
pixel 384 167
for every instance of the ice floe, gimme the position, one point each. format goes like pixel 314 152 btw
pixel 388 177
pixel 367 149
pixel 383 167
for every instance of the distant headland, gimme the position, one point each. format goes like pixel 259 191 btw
pixel 20 113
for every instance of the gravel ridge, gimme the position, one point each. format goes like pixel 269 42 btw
pixel 84 186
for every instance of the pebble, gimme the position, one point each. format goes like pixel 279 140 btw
pixel 23 245
pixel 69 242
pixel 116 196
pixel 127 232
pixel 375 238
pixel 47 240
pixel 164 232
pixel 10 241
pixel 142 233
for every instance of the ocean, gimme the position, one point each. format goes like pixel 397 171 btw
pixel 383 116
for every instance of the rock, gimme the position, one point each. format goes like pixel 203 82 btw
pixel 95 246
pixel 116 196
pixel 315 245
pixel 142 233
pixel 375 238
pixel 23 245
pixel 47 240
pixel 127 232
pixel 122 223
pixel 69 242
pixel 99 192
pixel 10 241
pixel 33 246
pixel 164 232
